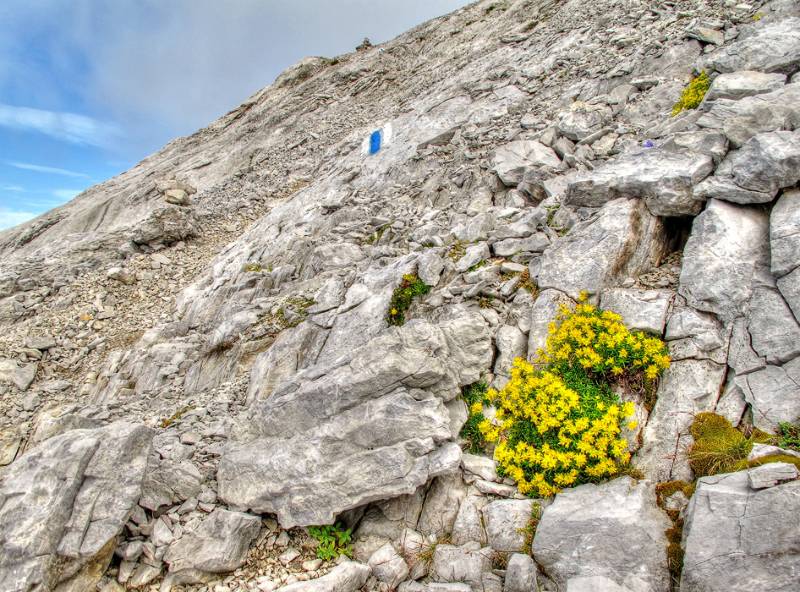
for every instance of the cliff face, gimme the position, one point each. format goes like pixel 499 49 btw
pixel 196 354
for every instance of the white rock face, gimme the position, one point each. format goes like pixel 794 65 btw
pixel 736 537
pixel 663 179
pixel 346 577
pixel 773 47
pixel 340 437
pixel 623 239
pixel 613 531
pixel 66 501
pixel 511 160
pixel 784 233
pixel 727 243
pixel 643 310
pixel 745 83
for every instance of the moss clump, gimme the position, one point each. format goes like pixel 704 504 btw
pixel 675 551
pixel 693 94
pixel 475 397
pixel 718 446
pixel 772 458
pixel 404 294
pixel 530 528
pixel 252 267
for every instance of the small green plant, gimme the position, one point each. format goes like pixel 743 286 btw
pixel 789 435
pixel 526 283
pixel 693 94
pixel 758 16
pixel 333 541
pixel 485 301
pixel 478 265
pixel 474 396
pixel 404 294
pixel 376 236
pixel 253 267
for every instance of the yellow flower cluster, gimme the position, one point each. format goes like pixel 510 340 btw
pixel 548 437
pixel 599 342
pixel 558 423
pixel 693 94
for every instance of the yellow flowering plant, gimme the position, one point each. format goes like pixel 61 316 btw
pixel 558 422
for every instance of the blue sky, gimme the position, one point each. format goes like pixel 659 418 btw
pixel 90 87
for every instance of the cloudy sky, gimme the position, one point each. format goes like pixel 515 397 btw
pixel 90 87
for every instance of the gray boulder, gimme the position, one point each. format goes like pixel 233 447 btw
pixel 622 240
pixel 737 538
pixel 335 438
pixel 727 243
pixel 741 120
pixel 388 566
pixel 520 574
pixel 216 544
pixel 774 394
pixel 756 172
pixel 774 332
pixel 465 564
pixel 746 83
pixel 643 310
pixel 784 233
pixel 505 522
pixel 662 178
pixel 773 47
pixel 789 286
pixel 511 160
pixel 345 577
pixel 63 504
pixel 613 531
pixel 543 311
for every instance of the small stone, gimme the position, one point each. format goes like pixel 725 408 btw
pixel 771 474
pixel 288 556
pixel 312 565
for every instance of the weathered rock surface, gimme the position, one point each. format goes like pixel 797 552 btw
pixel 511 160
pixel 340 437
pixel 347 577
pixel 613 531
pixel 739 538
pixel 663 179
pixel 784 233
pixel 773 47
pixel 64 502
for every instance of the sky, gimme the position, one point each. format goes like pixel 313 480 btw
pixel 90 87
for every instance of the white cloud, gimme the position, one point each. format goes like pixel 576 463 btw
pixel 25 166
pixel 66 194
pixel 9 218
pixel 70 127
pixel 13 188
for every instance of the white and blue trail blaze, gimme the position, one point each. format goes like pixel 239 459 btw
pixel 377 140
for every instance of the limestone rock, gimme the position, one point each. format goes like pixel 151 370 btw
pixel 663 179
pixel 623 239
pixel 505 522
pixel 737 538
pixel 511 160
pixel 774 394
pixel 388 566
pixel 613 530
pixel 340 437
pixel 745 83
pixel 520 574
pixel 544 310
pixel 468 526
pixel 66 500
pixel 741 120
pixel 774 332
pixel 644 310
pixel 345 577
pixel 511 343
pixel 465 564
pixel 218 544
pixel 784 233
pixel 771 474
pixel 727 243
pixel 773 47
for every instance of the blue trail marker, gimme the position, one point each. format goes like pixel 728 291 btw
pixel 375 142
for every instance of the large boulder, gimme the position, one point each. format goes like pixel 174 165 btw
pixel 622 240
pixel 738 85
pixel 741 120
pixel 217 544
pixel 64 502
pixel 345 577
pixel 784 233
pixel 756 172
pixel 737 538
pixel 374 426
pixel 773 392
pixel 511 161
pixel 662 178
pixel 612 531
pixel 773 47
pixel 728 243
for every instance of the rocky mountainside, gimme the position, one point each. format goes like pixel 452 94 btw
pixel 197 362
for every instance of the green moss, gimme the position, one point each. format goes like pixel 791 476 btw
pixel 165 423
pixel 693 94
pixel 718 446
pixel 478 265
pixel 252 267
pixel 376 236
pixel 530 528
pixel 772 458
pixel 472 394
pixel 675 551
pixel 410 287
